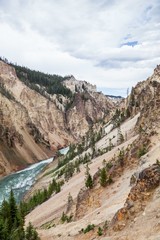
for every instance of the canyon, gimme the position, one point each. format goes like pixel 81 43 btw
pixel 110 177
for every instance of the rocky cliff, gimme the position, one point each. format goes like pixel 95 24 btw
pixel 145 98
pixel 33 125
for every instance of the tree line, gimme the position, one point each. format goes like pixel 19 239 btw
pixel 51 84
pixel 12 222
pixel 41 82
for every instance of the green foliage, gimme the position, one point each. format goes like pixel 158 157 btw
pixel 69 103
pixel 100 231
pixel 89 181
pixel 157 162
pixel 109 180
pixel 66 218
pixel 6 93
pixel 140 129
pixel 128 114
pixel 106 225
pixel 141 151
pixel 88 178
pixel 88 141
pixel 69 171
pixel 42 82
pixel 12 222
pixel 103 177
pixel 132 98
pixel 88 228
pixel 40 196
pixel 121 157
pixel 109 165
pixel 120 137
pixel 31 233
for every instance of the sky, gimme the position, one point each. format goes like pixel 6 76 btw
pixel 111 43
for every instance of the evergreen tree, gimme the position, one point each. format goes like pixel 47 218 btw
pixel 4 232
pixel 13 218
pixel 121 157
pixel 31 234
pixel 103 177
pixel 58 187
pixel 89 181
pixel 12 221
pixel 88 178
pixel 100 231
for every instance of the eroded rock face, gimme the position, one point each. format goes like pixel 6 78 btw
pixel 33 127
pixel 140 193
pixel 79 86
pixel 87 108
pixel 145 99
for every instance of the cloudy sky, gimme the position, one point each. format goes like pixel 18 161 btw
pixel 110 43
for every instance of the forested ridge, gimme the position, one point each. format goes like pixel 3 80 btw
pixel 51 84
pixel 41 82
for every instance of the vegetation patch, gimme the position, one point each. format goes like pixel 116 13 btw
pixel 42 82
pixel 40 196
pixel 66 218
pixel 89 228
pixel 12 222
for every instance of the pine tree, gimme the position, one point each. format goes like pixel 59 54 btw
pixel 103 177
pixel 100 231
pixel 121 157
pixel 110 145
pixel 88 179
pixel 31 233
pixel 12 221
pixel 2 229
pixel 13 211
pixel 58 187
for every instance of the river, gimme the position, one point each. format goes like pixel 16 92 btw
pixel 21 181
pixel 64 151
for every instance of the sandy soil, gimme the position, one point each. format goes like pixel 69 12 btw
pixel 110 200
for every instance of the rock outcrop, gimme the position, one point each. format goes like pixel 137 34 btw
pixel 140 194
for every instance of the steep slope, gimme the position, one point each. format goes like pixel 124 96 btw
pixel 35 123
pixel 128 203
pixel 145 98
pixel 87 107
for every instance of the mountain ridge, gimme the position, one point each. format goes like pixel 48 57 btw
pixel 35 123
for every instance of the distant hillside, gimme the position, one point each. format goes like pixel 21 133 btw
pixel 115 97
pixel 42 82
pixel 40 113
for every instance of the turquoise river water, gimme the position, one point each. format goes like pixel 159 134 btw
pixel 20 182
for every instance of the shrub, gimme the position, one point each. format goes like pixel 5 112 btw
pixel 66 218
pixel 100 231
pixel 88 228
pixel 141 151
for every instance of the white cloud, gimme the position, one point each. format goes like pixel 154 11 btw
pixel 84 38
